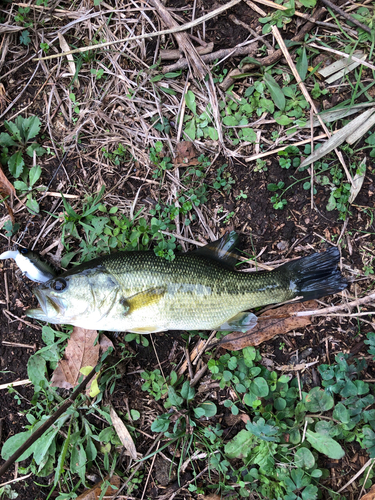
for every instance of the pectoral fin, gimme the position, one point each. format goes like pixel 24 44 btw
pixel 242 322
pixel 147 298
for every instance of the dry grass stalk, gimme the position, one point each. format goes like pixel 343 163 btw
pixel 177 29
pixel 304 91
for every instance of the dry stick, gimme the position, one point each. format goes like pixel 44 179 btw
pixel 219 54
pixel 47 424
pixel 327 310
pixel 234 19
pixel 346 16
pixel 357 474
pixel 16 480
pixel 273 58
pixel 16 383
pixel 171 55
pixel 342 54
pixel 175 29
pixel 304 91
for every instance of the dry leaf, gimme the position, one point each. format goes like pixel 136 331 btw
pixel 339 65
pixel 361 130
pixel 370 495
pixel 358 181
pixel 235 419
pixel 270 323
pixel 329 116
pixel 65 48
pixel 123 434
pixel 95 492
pixel 336 140
pixel 79 353
pixel 186 154
pixel 7 190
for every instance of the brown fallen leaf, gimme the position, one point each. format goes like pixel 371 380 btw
pixel 186 154
pixel 123 434
pixel 270 323
pixel 7 191
pixel 79 353
pixel 370 495
pixel 95 492
pixel 234 419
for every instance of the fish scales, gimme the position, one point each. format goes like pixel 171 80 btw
pixel 140 292
pixel 196 288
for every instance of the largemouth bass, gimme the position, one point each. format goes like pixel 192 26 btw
pixel 140 292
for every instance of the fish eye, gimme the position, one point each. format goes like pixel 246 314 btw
pixel 59 285
pixel 24 251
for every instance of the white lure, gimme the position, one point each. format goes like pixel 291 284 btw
pixel 30 265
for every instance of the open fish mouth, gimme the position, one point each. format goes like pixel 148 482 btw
pixel 49 307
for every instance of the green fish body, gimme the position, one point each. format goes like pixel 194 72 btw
pixel 140 292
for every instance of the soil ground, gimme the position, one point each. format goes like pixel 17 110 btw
pixel 295 231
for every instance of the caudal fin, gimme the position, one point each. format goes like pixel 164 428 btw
pixel 316 275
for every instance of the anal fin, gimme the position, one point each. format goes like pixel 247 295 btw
pixel 241 322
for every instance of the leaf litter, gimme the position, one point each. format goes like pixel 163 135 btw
pixel 270 323
pixel 83 350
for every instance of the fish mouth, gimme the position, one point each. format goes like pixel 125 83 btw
pixel 49 309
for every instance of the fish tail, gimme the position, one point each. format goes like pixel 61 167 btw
pixel 316 275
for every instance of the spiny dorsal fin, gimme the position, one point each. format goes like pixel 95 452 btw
pixel 222 250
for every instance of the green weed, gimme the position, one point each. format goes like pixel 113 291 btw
pixel 18 144
pixel 74 443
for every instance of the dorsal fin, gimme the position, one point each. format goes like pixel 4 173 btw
pixel 222 250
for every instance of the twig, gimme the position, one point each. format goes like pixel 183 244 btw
pixel 8 313
pixel 348 17
pixel 234 19
pixel 47 424
pixel 14 384
pixel 167 497
pixel 342 54
pixel 327 310
pixel 365 480
pixel 367 464
pixel 188 360
pixel 219 54
pixel 176 29
pixel 16 344
pixel 199 374
pixel 273 151
pixel 16 480
pixel 149 473
pixel 171 55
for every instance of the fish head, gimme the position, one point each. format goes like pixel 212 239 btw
pixel 63 300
